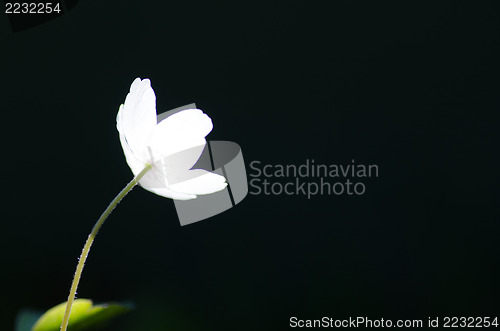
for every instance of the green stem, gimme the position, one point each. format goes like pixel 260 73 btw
pixel 90 240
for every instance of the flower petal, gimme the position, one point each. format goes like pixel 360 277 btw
pixel 135 164
pixel 153 181
pixel 137 118
pixel 204 183
pixel 168 193
pixel 180 131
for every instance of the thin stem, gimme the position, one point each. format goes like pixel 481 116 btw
pixel 90 240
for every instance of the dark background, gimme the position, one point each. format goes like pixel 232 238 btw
pixel 410 86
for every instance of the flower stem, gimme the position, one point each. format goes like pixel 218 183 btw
pixel 90 240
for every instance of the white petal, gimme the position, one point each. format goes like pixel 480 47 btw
pixel 153 181
pixel 135 164
pixel 175 167
pixel 204 183
pixel 136 119
pixel 180 131
pixel 168 193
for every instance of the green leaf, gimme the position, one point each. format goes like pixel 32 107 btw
pixel 83 315
pixel 100 314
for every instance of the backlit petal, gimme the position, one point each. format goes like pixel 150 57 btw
pixel 180 131
pixel 137 118
pixel 155 183
pixel 204 183
pixel 135 164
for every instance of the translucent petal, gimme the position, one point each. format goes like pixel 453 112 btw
pixel 180 131
pixel 168 193
pixel 204 182
pixel 136 119
pixel 153 181
pixel 175 167
pixel 135 164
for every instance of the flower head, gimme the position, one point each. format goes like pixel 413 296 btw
pixel 171 146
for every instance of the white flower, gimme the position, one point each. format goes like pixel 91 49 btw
pixel 172 146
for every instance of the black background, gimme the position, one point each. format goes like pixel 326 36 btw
pixel 410 86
